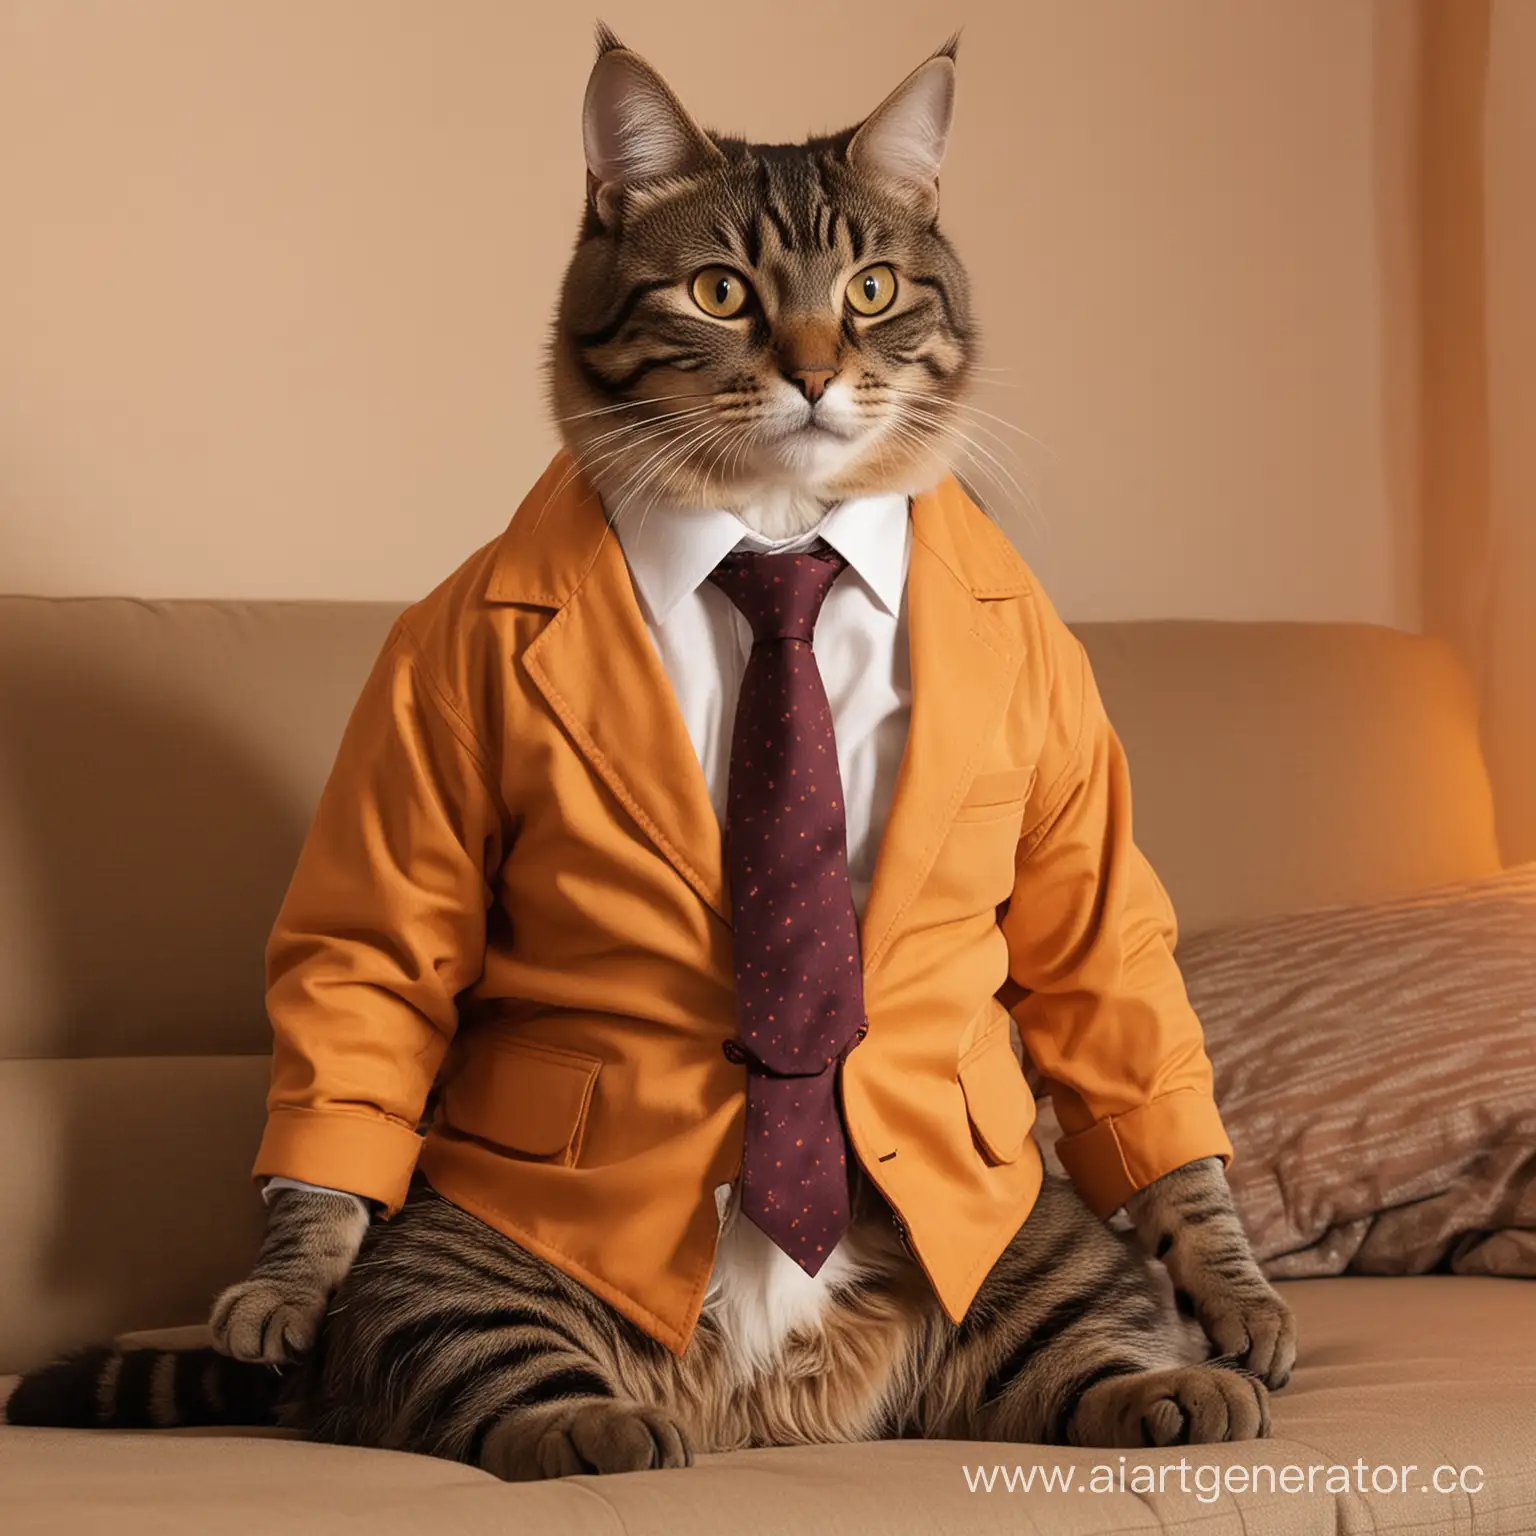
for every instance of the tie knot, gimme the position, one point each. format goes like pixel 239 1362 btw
pixel 780 596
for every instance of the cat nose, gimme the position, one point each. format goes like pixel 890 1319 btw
pixel 812 382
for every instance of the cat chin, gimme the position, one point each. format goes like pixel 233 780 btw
pixel 783 492
pixel 785 509
pixel 823 470
pixel 809 459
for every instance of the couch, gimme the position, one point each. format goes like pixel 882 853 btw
pixel 158 762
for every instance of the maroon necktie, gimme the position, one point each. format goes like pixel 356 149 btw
pixel 799 984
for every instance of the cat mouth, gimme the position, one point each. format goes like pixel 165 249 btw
pixel 812 430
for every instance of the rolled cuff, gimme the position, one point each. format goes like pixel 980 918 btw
pixel 366 1155
pixel 1114 1158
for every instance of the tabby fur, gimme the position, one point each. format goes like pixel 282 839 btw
pixel 447 1338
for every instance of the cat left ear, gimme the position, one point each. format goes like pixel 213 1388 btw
pixel 903 140
pixel 635 130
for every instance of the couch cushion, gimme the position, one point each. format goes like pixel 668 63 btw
pixel 1278 767
pixel 1438 1372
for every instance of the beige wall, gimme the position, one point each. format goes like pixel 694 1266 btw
pixel 274 278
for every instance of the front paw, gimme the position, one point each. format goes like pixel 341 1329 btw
pixel 1251 1327
pixel 602 1436
pixel 266 1322
pixel 1190 1405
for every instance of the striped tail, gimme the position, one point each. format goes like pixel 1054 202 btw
pixel 103 1387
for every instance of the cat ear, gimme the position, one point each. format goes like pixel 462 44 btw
pixel 902 141
pixel 635 130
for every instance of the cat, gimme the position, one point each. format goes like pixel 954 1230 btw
pixel 677 379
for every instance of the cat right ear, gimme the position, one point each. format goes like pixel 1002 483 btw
pixel 634 129
pixel 902 141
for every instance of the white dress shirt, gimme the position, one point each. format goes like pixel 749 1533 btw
pixel 860 646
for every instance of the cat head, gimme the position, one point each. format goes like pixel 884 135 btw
pixel 745 325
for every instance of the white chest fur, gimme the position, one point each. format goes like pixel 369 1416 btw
pixel 758 1296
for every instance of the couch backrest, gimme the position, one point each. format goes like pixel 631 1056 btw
pixel 1277 767
pixel 158 764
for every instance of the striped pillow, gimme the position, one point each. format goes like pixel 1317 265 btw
pixel 1376 1071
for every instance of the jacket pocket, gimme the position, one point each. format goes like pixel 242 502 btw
pixel 524 1098
pixel 997 1100
pixel 995 794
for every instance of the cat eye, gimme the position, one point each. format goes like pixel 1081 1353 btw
pixel 720 292
pixel 873 291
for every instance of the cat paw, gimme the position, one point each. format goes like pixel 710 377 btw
pixel 1253 1330
pixel 265 1322
pixel 1190 1405
pixel 592 1437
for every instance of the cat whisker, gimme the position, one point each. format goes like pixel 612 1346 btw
pixel 586 461
pixel 976 410
pixel 919 410
pixel 636 405
pixel 648 471
pixel 646 426
pixel 917 427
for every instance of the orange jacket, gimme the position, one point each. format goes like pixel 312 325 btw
pixel 514 879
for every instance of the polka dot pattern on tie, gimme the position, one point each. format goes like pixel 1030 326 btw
pixel 799 980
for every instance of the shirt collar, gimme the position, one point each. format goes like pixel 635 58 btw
pixel 672 550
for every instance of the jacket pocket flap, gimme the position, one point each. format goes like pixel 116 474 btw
pixel 1005 788
pixel 996 1098
pixel 530 1098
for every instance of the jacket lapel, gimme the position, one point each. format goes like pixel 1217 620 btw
pixel 965 658
pixel 596 666
pixel 600 673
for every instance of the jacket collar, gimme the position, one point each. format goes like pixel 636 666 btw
pixel 553 540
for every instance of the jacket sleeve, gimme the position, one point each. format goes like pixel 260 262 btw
pixel 382 927
pixel 1090 935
